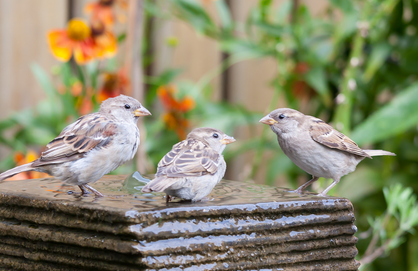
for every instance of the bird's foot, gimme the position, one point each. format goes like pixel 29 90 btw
pixel 322 195
pixel 95 192
pixel 167 198
pixel 85 192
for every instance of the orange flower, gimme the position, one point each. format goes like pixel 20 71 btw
pixel 174 117
pixel 113 85
pixel 85 106
pixel 76 39
pixel 103 10
pixel 21 159
pixel 166 95
pixel 76 88
pixel 105 43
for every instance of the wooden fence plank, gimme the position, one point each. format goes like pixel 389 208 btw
pixel 23 28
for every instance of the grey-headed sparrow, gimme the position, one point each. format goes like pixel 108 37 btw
pixel 315 146
pixel 92 146
pixel 193 167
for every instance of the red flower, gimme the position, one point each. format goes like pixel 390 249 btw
pixel 113 85
pixel 175 108
pixel 104 11
pixel 300 89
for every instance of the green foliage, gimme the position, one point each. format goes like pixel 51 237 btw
pixel 402 209
pixel 400 115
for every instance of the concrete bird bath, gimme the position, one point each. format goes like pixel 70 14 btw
pixel 244 227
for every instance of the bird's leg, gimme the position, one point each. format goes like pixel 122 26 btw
pixel 303 186
pixel 84 191
pixel 324 193
pixel 167 198
pixel 95 192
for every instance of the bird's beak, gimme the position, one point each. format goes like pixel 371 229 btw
pixel 267 120
pixel 227 140
pixel 142 111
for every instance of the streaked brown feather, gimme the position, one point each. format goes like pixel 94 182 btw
pixel 87 133
pixel 190 157
pixel 328 136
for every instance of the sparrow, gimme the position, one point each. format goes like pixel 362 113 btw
pixel 315 146
pixel 193 166
pixel 92 146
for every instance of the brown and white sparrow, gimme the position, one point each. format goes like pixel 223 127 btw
pixel 193 166
pixel 92 146
pixel 315 146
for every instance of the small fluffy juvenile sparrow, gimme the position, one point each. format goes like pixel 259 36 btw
pixel 92 146
pixel 193 166
pixel 315 146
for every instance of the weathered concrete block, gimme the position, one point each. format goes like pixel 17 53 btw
pixel 244 227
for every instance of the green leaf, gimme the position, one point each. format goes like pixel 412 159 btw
pixel 121 37
pixel 345 6
pixel 244 49
pixel 270 29
pixel 317 79
pixel 395 118
pixel 346 27
pixel 196 16
pixel 43 79
pixel 379 54
pixel 284 11
pixel 224 14
pixel 369 179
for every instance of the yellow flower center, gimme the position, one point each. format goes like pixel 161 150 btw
pixel 78 30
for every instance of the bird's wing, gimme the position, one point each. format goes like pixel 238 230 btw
pixel 188 158
pixel 88 132
pixel 328 136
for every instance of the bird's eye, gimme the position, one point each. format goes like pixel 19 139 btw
pixel 215 135
pixel 281 116
pixel 127 106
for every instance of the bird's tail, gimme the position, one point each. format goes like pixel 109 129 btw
pixel 11 172
pixel 378 153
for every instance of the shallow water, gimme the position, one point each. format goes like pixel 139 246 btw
pixel 125 192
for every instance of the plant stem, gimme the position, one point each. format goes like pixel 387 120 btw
pixel 372 245
pixel 376 253
pixel 342 118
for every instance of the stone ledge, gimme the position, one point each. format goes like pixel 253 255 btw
pixel 245 226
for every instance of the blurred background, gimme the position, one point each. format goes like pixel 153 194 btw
pixel 225 64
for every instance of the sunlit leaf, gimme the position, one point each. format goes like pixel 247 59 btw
pixel 395 118
pixel 193 13
pixel 284 11
pixel 224 14
pixel 317 79
pixel 367 178
pixel 344 6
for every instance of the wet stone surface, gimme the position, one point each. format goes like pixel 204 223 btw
pixel 244 226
